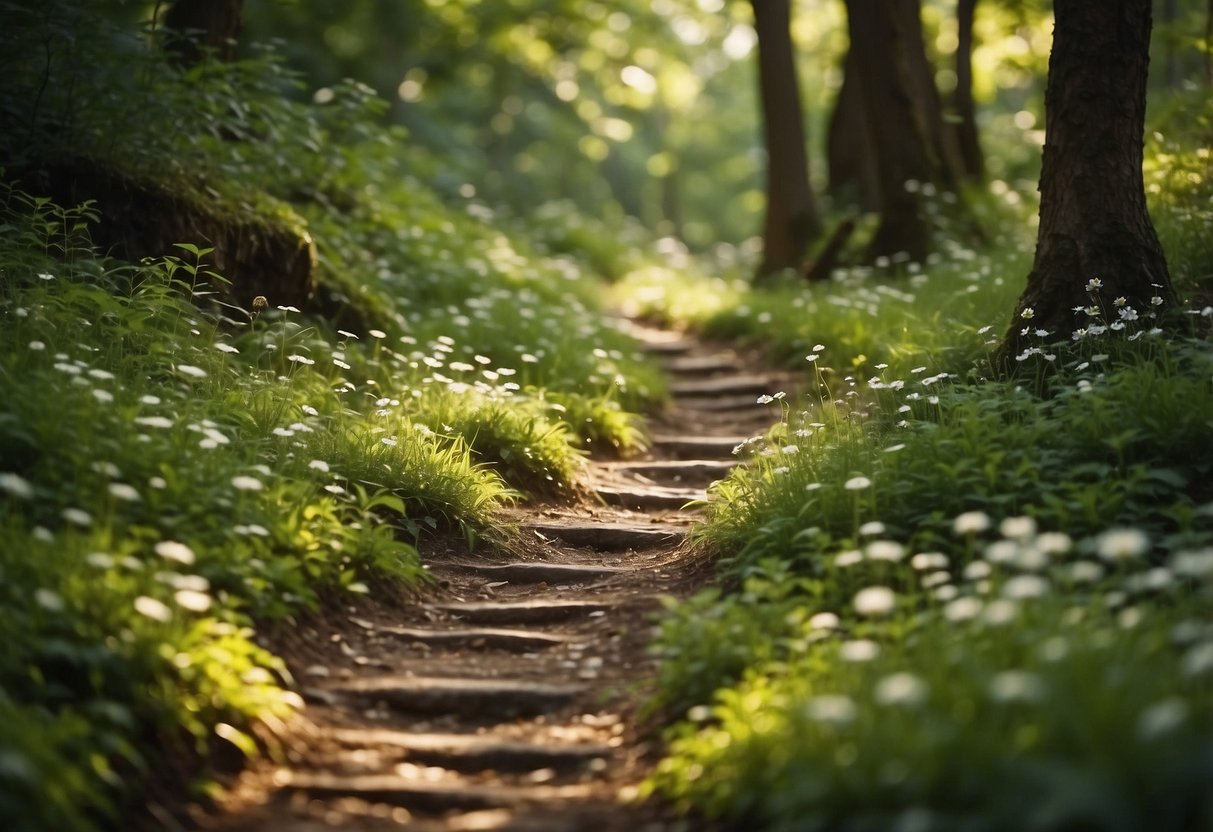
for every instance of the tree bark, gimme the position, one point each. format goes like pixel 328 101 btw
pixel 972 160
pixel 850 158
pixel 928 106
pixel 792 220
pixel 196 26
pixel 1095 242
pixel 902 152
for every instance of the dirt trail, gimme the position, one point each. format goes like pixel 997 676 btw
pixel 507 701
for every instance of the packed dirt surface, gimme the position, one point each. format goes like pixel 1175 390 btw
pixel 508 698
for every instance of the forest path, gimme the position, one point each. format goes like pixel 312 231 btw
pixel 508 700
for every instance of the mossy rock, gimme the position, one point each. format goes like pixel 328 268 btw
pixel 260 245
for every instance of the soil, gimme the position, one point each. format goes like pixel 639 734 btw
pixel 510 696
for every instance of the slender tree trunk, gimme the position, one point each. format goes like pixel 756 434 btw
pixel 903 158
pixel 972 160
pixel 198 25
pixel 792 220
pixel 850 158
pixel 1096 247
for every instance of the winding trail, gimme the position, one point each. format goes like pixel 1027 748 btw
pixel 508 700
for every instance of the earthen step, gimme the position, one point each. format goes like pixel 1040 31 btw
pixel 425 797
pixel 697 471
pixel 731 385
pixel 718 363
pixel 520 612
pixel 646 497
pixel 471 698
pixel 468 753
pixel 485 638
pixel 695 447
pixel 725 404
pixel 607 537
pixel 551 573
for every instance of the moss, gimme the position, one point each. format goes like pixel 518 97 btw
pixel 259 243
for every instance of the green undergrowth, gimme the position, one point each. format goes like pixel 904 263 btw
pixel 181 466
pixel 947 592
pixel 948 601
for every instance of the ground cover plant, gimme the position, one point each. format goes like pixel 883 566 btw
pixel 182 466
pixel 955 601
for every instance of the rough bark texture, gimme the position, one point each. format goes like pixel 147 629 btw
pixel 850 159
pixel 792 220
pixel 1093 218
pixel 972 160
pixel 900 147
pixel 928 106
pixel 198 25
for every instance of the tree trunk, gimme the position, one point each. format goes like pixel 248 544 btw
pixel 196 26
pixel 901 149
pixel 1095 244
pixel 792 220
pixel 972 161
pixel 850 158
pixel 928 107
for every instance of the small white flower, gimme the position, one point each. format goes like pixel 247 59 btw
pixel 222 347
pixel 964 608
pixel 192 600
pixel 49 600
pixel 1022 587
pixel 929 560
pixel 175 551
pixel 153 609
pixel 858 650
pixel 1017 528
pixel 824 621
pixel 296 358
pixel 901 689
pixel 122 491
pixel 875 601
pixel 377 333
pixel 318 465
pixel 1156 301
pixel 886 550
pixel 1162 718
pixel 246 483
pixel 1016 686
pixel 848 558
pixel 1028 313
pixel 857 484
pixel 191 371
pixel 832 709
pixel 77 517
pixel 971 522
pixel 1094 284
pixel 37 346
pixel 16 486
pixel 1116 545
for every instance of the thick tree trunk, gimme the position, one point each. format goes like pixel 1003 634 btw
pixel 901 149
pixel 198 25
pixel 792 220
pixel 850 158
pixel 973 164
pixel 1096 244
pixel 928 107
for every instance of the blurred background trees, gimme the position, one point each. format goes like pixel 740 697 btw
pixel 651 109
